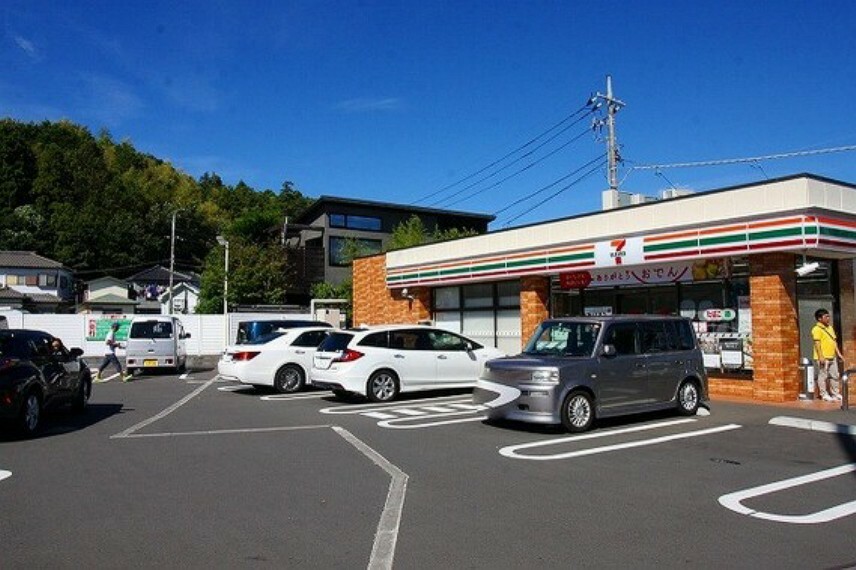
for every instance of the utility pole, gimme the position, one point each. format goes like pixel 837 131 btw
pixel 171 260
pixel 612 107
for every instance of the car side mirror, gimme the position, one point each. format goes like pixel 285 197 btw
pixel 468 346
pixel 608 350
pixel 186 335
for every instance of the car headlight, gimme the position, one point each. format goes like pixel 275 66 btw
pixel 545 377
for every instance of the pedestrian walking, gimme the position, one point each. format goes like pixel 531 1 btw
pixel 826 355
pixel 110 356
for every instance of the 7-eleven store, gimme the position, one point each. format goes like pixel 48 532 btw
pixel 725 258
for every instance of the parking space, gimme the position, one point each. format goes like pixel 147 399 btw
pixel 199 472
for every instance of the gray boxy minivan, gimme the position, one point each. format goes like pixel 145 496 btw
pixel 575 370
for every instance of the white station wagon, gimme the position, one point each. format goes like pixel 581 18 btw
pixel 281 359
pixel 381 362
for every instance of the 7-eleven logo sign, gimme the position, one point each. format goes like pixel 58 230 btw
pixel 618 251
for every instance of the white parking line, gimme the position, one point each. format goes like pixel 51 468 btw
pixel 163 413
pixel 734 501
pixel 512 450
pixel 386 536
pixel 287 397
pixel 438 409
pixel 5 474
pixel 379 415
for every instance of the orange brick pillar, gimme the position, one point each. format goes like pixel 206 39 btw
pixel 847 310
pixel 534 304
pixel 375 304
pixel 775 333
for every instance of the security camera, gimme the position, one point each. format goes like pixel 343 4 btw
pixel 404 292
pixel 807 268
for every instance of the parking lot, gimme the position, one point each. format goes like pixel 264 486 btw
pixel 195 472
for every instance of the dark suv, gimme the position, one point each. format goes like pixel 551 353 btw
pixel 36 376
pixel 575 370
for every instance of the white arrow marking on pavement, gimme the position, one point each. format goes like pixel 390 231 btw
pixel 400 422
pixel 5 474
pixel 360 408
pixel 734 501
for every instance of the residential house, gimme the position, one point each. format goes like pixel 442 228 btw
pixel 184 297
pixel 44 285
pixel 107 295
pixel 150 285
pixel 330 222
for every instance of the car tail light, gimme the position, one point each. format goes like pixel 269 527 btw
pixel 244 355
pixel 348 356
pixel 7 362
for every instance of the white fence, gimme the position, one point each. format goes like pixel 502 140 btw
pixel 207 332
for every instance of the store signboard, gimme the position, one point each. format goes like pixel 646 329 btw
pixel 619 252
pixel 597 311
pixel 717 315
pixel 640 275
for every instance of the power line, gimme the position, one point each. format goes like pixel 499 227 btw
pixel 747 159
pixel 507 155
pixel 548 186
pixel 515 173
pixel 559 191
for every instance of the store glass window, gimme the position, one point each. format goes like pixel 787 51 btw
pixel 447 298
pixel 489 313
pixel 480 295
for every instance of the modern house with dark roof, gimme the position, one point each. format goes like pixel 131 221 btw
pixel 330 221
pixel 34 283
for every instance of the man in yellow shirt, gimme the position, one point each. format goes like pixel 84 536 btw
pixel 826 355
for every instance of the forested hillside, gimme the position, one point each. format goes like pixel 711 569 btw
pixel 104 208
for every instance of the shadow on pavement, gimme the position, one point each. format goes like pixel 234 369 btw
pixel 62 421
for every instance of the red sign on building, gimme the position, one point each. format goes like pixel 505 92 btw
pixel 575 280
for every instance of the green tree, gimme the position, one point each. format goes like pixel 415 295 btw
pixel 413 232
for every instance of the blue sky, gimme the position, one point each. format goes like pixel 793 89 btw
pixel 395 101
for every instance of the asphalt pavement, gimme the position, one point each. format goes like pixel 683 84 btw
pixel 190 471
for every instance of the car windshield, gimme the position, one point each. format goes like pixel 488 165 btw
pixel 563 339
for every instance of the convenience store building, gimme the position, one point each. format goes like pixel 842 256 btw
pixel 726 258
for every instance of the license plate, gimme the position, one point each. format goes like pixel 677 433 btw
pixel 150 362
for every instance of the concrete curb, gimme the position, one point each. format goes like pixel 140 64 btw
pixel 813 425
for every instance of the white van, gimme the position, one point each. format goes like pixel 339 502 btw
pixel 156 341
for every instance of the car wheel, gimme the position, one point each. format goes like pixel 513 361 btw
pixel 382 386
pixel 31 414
pixel 84 391
pixel 577 412
pixel 288 379
pixel 688 398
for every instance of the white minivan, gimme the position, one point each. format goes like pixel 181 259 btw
pixel 156 341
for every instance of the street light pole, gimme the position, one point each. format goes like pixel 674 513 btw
pixel 171 260
pixel 225 243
